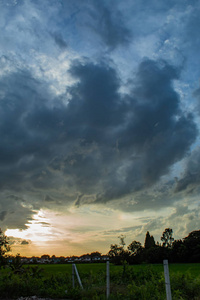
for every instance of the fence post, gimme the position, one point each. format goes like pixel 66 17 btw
pixel 73 282
pixel 78 277
pixel 107 279
pixel 167 280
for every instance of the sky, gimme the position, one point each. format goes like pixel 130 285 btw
pixel 99 122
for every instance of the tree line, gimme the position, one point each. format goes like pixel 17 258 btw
pixel 186 250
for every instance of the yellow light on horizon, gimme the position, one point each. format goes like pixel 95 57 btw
pixel 36 231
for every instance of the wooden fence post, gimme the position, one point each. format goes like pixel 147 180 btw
pixel 107 279
pixel 167 280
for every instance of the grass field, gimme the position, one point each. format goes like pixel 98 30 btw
pixel 51 269
pixel 135 282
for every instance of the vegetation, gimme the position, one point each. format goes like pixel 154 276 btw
pixel 4 248
pixel 129 278
pixel 137 282
pixel 179 251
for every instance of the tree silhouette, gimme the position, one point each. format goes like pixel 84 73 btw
pixel 167 238
pixel 134 247
pixel 149 241
pixel 4 247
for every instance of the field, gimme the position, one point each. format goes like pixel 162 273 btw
pixel 193 269
pixel 126 282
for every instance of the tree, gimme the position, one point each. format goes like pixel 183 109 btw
pixel 16 264
pixel 4 247
pixel 117 253
pixel 167 238
pixel 149 241
pixel 95 254
pixel 122 240
pixel 136 252
pixel 135 247
pixel 179 252
pixel 192 245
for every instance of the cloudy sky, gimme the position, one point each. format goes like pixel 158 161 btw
pixel 99 122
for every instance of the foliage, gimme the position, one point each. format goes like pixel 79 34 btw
pixel 139 282
pixel 135 247
pixel 167 238
pixel 188 249
pixel 149 241
pixel 4 248
pixel 16 264
pixel 192 246
pixel 184 250
pixel 95 254
pixel 117 253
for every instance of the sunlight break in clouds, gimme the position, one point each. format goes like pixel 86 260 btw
pixel 39 230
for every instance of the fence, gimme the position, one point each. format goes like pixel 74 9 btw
pixel 166 273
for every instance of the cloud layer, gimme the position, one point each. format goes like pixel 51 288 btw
pixel 99 103
pixel 98 143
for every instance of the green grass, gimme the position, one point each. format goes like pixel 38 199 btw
pixel 193 269
pixel 145 282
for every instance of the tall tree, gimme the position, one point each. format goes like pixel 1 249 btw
pixel 149 241
pixel 167 238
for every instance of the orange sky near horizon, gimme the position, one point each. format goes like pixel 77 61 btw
pixel 78 231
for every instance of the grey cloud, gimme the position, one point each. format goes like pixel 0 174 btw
pixel 182 220
pixel 95 23
pixel 180 211
pixel 141 135
pixel 15 214
pixel 48 198
pixel 121 230
pixel 191 27
pixel 190 179
pixel 108 146
pixel 152 132
pixel 24 242
pixel 17 241
pixel 93 144
pixel 44 224
pixel 59 40
pixel 110 25
pixel 3 215
pixel 14 197
pixel 196 94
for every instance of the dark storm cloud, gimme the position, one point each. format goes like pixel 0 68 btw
pixel 102 145
pixel 137 137
pixel 152 134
